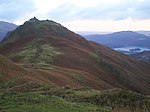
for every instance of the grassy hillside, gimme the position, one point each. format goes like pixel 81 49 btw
pixel 43 87
pixel 54 99
pixel 31 102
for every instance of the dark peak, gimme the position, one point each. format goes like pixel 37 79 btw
pixel 51 22
pixel 33 19
pixel 40 27
pixel 36 22
pixel 43 22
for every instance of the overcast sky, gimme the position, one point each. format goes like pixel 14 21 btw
pixel 81 15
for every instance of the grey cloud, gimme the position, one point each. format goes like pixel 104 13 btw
pixel 12 9
pixel 64 12
pixel 117 11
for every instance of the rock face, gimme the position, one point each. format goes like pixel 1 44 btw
pixel 60 57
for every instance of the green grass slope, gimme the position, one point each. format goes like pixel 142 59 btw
pixel 64 99
pixel 31 102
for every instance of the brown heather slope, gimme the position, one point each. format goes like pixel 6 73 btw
pixel 133 73
pixel 13 75
pixel 61 57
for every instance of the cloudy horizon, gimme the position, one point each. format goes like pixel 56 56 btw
pixel 85 15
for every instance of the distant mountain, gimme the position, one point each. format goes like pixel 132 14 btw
pixel 147 33
pixel 61 57
pixel 5 27
pixel 127 42
pixel 85 33
pixel 121 39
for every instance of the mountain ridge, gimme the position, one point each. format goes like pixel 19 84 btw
pixel 49 48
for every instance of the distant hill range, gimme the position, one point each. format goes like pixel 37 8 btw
pixel 121 39
pixel 5 27
pixel 127 42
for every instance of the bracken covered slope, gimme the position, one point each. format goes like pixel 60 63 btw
pixel 23 89
pixel 60 57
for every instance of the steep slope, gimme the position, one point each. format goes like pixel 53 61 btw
pixel 5 27
pixel 124 67
pixel 21 89
pixel 121 39
pixel 15 76
pixel 61 57
pixel 12 75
